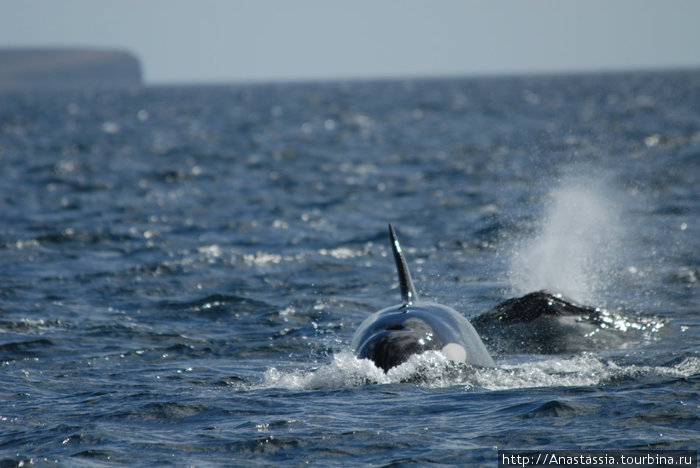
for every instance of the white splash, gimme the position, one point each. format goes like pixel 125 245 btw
pixel 576 245
pixel 346 370
pixel 581 370
pixel 433 370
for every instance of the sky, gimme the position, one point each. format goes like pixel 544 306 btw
pixel 220 41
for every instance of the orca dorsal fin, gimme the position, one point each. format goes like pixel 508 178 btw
pixel 408 292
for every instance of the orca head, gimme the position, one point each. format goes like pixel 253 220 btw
pixel 392 335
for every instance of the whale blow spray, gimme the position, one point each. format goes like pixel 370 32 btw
pixel 576 244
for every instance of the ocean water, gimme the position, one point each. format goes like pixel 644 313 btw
pixel 183 268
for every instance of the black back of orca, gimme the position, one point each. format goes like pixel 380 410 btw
pixel 392 335
pixel 544 323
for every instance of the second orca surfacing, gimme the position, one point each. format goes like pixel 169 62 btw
pixel 392 335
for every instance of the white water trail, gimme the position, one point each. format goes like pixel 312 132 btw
pixel 576 245
pixel 434 370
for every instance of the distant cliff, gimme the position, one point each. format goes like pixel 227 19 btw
pixel 67 69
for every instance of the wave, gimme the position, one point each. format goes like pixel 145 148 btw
pixel 433 370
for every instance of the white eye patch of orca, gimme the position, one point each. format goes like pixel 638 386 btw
pixel 454 352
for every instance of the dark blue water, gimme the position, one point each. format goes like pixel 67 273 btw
pixel 183 268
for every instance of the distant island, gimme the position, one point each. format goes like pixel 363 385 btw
pixel 35 69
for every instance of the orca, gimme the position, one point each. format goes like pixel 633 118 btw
pixel 392 335
pixel 545 322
